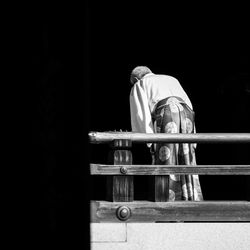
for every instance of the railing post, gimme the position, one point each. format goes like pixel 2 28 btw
pixel 248 188
pixel 159 188
pixel 120 188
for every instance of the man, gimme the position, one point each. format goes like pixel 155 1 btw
pixel 159 104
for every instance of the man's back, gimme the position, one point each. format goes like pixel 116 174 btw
pixel 158 87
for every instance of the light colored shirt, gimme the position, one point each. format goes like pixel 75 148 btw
pixel 146 93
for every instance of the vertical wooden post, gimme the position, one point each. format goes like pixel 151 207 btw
pixel 248 188
pixel 161 188
pixel 158 186
pixel 120 188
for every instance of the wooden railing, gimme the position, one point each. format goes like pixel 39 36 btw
pixel 120 205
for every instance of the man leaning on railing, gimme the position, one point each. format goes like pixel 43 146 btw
pixel 159 104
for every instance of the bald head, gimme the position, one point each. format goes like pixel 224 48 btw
pixel 138 72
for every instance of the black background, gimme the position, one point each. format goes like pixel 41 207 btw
pixel 81 64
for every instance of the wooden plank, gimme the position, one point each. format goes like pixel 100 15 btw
pixel 106 137
pixel 101 169
pixel 121 188
pixel 178 211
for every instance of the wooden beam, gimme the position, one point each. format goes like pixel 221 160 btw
pixel 178 211
pixel 101 169
pixel 106 137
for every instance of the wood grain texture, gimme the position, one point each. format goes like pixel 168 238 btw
pixel 159 188
pixel 107 137
pixel 101 169
pixel 178 211
pixel 121 188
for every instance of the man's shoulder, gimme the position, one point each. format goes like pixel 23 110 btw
pixel 153 79
pixel 166 78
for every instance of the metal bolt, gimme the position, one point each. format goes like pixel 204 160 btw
pixel 123 170
pixel 123 213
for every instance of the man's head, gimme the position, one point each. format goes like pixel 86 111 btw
pixel 138 72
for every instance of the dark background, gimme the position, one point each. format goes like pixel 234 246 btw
pixel 82 58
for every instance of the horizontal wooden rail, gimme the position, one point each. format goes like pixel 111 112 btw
pixel 106 137
pixel 101 169
pixel 178 211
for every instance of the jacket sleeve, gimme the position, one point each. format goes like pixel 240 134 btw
pixel 141 120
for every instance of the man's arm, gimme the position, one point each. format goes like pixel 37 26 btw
pixel 141 120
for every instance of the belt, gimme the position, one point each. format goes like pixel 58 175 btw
pixel 164 102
